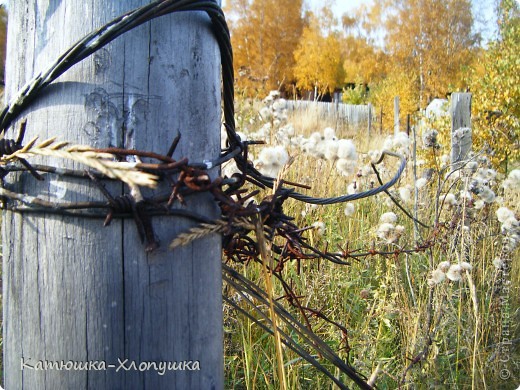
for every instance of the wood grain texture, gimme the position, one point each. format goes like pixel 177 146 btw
pixel 76 291
pixel 460 119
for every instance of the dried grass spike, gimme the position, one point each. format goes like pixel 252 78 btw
pixel 59 145
pixel 197 232
pixel 80 148
pixel 29 145
pixel 103 162
pixel 46 143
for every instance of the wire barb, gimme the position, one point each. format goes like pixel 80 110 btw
pixel 238 207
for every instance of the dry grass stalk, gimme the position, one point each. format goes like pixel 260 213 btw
pixel 268 259
pixel 102 162
pixel 202 230
pixel 197 232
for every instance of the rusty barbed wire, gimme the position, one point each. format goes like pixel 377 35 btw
pixel 10 146
pixel 238 204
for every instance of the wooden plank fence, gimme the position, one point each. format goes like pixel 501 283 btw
pixel 351 114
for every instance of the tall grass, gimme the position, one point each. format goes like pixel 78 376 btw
pixel 453 334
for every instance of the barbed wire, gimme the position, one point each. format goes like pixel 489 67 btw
pixel 126 22
pixel 185 177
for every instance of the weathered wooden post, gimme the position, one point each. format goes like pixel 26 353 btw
pixel 75 292
pixel 396 115
pixel 461 142
pixel 461 138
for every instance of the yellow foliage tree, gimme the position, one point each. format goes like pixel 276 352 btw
pixel 496 89
pixel 318 59
pixel 432 39
pixel 395 84
pixel 264 34
pixel 363 61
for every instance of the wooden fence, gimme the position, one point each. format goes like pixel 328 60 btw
pixel 351 114
pixel 371 118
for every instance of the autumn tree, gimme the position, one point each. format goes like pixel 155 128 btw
pixel 264 34
pixel 496 88
pixel 432 39
pixel 364 61
pixel 395 84
pixel 318 59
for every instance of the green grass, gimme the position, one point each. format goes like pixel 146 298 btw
pixel 385 302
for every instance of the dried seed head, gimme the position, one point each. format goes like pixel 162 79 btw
pixel 454 273
pixel 438 276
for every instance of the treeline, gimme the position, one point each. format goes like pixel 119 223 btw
pixel 414 49
pixel 417 50
pixel 278 45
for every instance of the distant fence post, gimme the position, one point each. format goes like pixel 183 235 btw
pixel 369 118
pixel 88 296
pixel 461 142
pixel 396 115
pixel 381 120
pixel 461 138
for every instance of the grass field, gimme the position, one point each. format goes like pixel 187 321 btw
pixel 434 306
pixel 444 314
